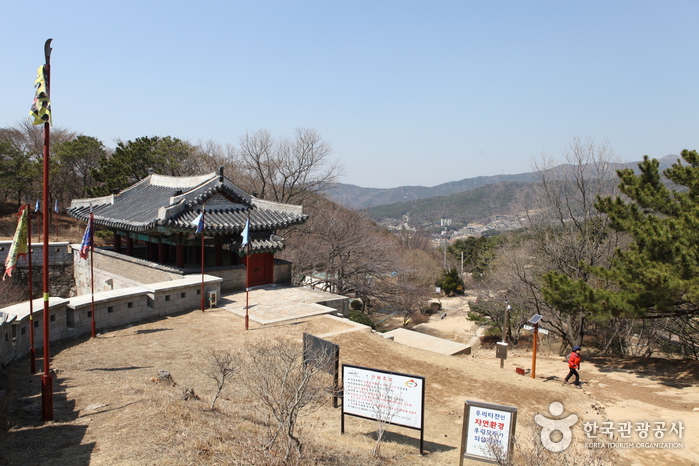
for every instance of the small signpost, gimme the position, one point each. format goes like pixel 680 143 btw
pixel 326 356
pixel 488 432
pixel 501 353
pixel 541 330
pixel 535 332
pixel 385 396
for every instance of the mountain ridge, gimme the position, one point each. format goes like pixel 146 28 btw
pixel 357 197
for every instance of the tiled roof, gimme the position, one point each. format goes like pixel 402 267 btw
pixel 173 203
pixel 270 244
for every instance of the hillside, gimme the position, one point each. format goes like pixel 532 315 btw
pixel 357 197
pixel 109 411
pixel 505 198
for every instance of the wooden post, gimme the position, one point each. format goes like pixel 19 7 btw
pixel 536 337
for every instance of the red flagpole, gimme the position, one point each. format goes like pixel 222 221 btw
pixel 247 276
pixel 32 350
pixel 93 325
pixel 203 256
pixel 56 222
pixel 46 378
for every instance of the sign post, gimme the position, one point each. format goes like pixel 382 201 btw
pixel 326 356
pixel 535 332
pixel 384 396
pixel 501 353
pixel 488 432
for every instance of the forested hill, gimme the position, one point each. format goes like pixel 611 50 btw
pixel 469 200
pixel 356 197
pixel 475 205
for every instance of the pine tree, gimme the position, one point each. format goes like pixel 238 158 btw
pixel 658 274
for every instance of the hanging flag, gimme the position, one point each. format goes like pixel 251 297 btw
pixel 87 245
pixel 19 247
pixel 199 222
pixel 37 206
pixel 41 107
pixel 246 233
pixel 55 206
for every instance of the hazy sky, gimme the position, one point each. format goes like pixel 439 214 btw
pixel 406 92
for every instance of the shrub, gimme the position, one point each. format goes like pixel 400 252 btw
pixel 451 282
pixel 361 318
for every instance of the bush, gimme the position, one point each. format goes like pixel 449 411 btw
pixel 451 282
pixel 489 341
pixel 356 304
pixel 361 318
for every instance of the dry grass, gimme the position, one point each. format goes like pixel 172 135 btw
pixel 109 412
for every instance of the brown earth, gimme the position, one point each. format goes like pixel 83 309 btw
pixel 108 411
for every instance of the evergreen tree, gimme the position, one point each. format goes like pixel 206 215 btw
pixel 450 282
pixel 658 274
pixel 132 159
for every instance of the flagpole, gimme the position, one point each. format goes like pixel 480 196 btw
pixel 203 256
pixel 55 211
pixel 46 378
pixel 32 350
pixel 37 208
pixel 247 274
pixel 93 325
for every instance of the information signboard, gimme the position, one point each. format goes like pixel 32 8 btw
pixel 325 355
pixel 385 396
pixel 375 394
pixel 488 432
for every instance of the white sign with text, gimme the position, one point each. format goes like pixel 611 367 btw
pixel 387 396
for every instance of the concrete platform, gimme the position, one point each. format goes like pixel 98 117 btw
pixel 427 342
pixel 272 304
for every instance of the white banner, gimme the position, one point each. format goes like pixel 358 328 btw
pixel 373 394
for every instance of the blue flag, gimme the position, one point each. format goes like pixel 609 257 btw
pixel 86 245
pixel 246 233
pixel 199 222
pixel 55 206
pixel 37 206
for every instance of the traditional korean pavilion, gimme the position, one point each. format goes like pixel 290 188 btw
pixel 154 220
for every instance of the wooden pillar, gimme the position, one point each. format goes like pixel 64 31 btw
pixel 179 255
pixel 219 253
pixel 117 242
pixel 162 253
pixel 129 246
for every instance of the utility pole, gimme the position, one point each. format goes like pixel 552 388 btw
pixel 446 223
pixel 505 327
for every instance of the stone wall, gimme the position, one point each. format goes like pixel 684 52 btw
pixel 114 271
pixel 59 254
pixel 282 272
pixel 60 272
pixel 73 317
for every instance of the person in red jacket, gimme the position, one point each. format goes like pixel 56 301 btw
pixel 574 365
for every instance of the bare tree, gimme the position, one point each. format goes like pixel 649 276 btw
pixel 275 375
pixel 287 170
pixel 386 404
pixel 219 366
pixel 509 280
pixel 568 234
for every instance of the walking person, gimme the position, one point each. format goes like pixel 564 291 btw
pixel 574 365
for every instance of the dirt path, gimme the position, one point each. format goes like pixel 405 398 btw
pixel 109 412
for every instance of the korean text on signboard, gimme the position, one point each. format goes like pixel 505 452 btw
pixel 387 396
pixel 488 431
